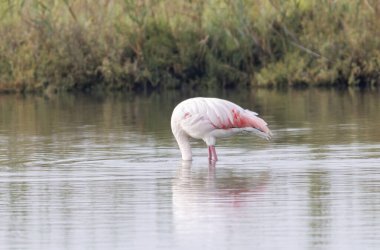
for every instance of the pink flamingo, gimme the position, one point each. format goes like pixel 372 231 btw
pixel 211 118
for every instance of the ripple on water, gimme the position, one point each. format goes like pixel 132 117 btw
pixel 116 181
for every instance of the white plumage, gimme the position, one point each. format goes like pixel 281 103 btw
pixel 211 118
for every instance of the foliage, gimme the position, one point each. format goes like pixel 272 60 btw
pixel 157 44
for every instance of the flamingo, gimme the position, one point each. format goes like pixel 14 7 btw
pixel 211 118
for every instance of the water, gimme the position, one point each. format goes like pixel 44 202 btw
pixel 104 172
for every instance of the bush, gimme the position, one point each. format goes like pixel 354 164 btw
pixel 161 44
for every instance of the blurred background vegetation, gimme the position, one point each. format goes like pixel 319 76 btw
pixel 131 45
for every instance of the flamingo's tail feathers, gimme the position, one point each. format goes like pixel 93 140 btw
pixel 257 125
pixel 251 112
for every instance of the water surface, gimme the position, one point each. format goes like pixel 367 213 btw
pixel 104 172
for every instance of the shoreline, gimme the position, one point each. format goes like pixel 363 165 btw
pixel 138 46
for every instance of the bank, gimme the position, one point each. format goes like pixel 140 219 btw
pixel 155 45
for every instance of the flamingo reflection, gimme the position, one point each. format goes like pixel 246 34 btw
pixel 200 193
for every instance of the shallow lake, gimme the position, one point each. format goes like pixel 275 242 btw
pixel 104 172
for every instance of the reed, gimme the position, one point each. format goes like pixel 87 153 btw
pixel 160 44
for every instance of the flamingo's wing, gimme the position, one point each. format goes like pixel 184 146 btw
pixel 203 115
pixel 225 115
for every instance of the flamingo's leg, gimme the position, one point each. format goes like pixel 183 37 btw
pixel 213 151
pixel 209 153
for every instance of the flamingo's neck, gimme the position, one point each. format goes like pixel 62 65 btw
pixel 184 145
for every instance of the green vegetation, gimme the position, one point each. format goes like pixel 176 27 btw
pixel 162 44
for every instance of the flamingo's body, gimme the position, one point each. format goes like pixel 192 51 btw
pixel 211 118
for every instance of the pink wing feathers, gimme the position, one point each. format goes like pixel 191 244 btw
pixel 224 114
pixel 221 114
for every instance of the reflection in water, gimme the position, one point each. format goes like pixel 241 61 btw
pixel 217 186
pixel 203 200
pixel 320 217
pixel 103 172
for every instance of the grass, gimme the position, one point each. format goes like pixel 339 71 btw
pixel 136 45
